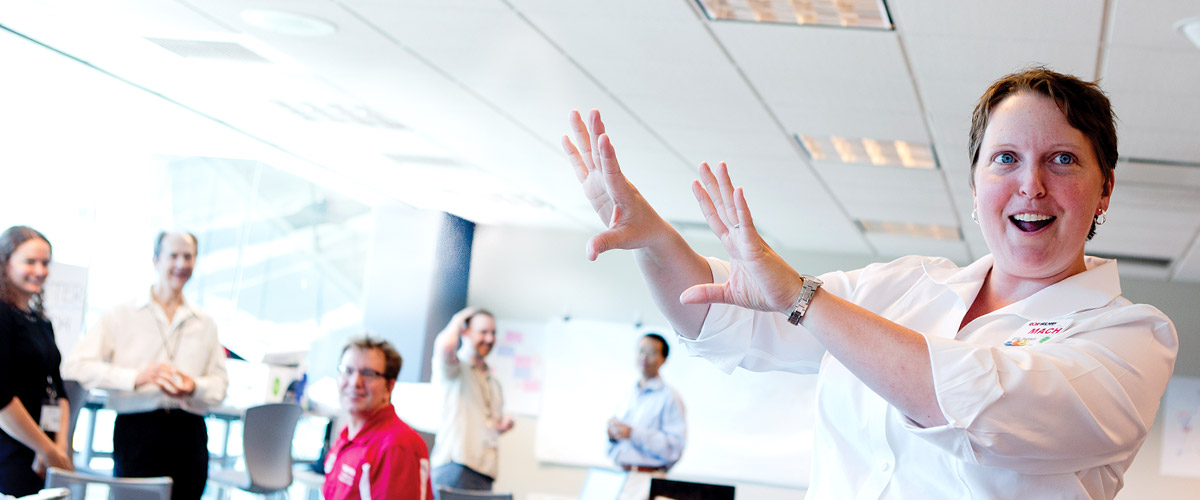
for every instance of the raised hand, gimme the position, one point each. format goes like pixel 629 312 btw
pixel 758 277
pixel 458 322
pixel 632 222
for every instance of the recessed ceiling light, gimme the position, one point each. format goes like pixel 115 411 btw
pixel 1190 29
pixel 911 229
pixel 868 151
pixel 843 13
pixel 288 23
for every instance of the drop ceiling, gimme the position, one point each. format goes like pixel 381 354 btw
pixel 458 105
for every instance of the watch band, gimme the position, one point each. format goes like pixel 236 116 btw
pixel 808 288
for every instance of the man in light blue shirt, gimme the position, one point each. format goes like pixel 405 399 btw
pixel 649 431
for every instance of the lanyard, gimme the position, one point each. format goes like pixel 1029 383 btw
pixel 51 392
pixel 165 337
pixel 484 384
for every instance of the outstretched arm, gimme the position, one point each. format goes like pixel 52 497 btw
pixel 680 281
pixel 891 359
pixel 669 266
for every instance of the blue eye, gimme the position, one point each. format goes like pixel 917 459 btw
pixel 1005 158
pixel 1064 158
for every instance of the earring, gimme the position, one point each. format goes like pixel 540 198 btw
pixel 1101 217
pixel 975 215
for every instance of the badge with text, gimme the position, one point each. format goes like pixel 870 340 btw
pixel 51 420
pixel 1037 332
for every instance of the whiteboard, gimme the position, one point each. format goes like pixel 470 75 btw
pixel 1181 428
pixel 743 427
pixel 517 365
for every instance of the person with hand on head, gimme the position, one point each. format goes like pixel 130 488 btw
pixel 649 432
pixel 164 366
pixel 34 416
pixel 1025 374
pixel 376 456
pixel 466 453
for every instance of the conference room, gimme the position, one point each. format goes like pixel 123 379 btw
pixel 376 166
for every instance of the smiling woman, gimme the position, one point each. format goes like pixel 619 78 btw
pixel 1024 374
pixel 33 400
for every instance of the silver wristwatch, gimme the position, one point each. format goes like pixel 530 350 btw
pixel 808 287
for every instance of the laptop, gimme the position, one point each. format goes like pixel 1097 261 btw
pixel 684 490
pixel 602 484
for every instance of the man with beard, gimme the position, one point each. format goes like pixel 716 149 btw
pixel 466 452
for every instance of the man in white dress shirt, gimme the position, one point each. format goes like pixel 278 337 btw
pixel 164 366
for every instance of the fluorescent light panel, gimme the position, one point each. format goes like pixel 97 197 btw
pixel 910 229
pixel 209 49
pixel 1156 262
pixel 866 151
pixel 844 13
pixel 340 113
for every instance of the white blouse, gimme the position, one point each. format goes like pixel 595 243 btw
pixel 1049 397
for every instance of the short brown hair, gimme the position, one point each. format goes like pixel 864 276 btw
pixel 12 238
pixel 478 312
pixel 163 235
pixel 1083 103
pixel 391 358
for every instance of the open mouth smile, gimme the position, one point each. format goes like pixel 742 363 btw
pixel 1030 223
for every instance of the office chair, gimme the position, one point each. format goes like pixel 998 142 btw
pixel 77 396
pixel 45 494
pixel 267 434
pixel 123 488
pixel 429 439
pixel 456 494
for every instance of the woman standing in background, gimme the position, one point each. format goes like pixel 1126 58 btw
pixel 31 389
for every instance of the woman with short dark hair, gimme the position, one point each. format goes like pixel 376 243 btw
pixel 1025 374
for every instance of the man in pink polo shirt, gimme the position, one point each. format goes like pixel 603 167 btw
pixel 377 456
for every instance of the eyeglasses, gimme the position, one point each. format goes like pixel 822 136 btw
pixel 365 373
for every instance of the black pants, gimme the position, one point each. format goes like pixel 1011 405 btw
pixel 460 477
pixel 163 443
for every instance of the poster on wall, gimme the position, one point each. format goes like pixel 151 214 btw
pixel 1181 428
pixel 65 301
pixel 517 363
pixel 591 370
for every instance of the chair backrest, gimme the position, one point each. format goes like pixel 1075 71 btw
pixel 122 488
pixel 429 439
pixel 267 443
pixel 455 494
pixel 77 396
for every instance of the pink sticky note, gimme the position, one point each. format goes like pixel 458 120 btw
pixel 513 336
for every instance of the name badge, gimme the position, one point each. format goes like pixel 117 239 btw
pixel 1037 332
pixel 346 475
pixel 51 420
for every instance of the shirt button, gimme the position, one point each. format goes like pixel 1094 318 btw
pixel 885 466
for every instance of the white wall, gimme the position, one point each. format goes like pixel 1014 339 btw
pixel 535 274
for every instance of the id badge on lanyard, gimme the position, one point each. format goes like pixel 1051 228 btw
pixel 51 420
